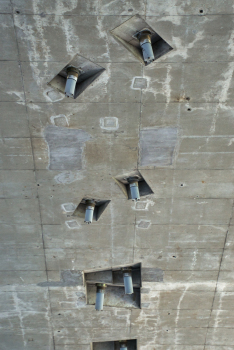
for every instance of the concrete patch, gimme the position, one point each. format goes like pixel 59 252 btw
pixel 54 95
pixel 59 120
pixel 109 123
pixel 68 207
pixel 67 177
pixel 68 278
pixel 72 276
pixel 144 224
pixel 157 146
pixel 152 275
pixel 142 205
pixel 65 147
pixel 72 224
pixel 139 83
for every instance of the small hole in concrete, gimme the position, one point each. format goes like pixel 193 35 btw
pixel 182 185
pixel 201 11
pixel 188 98
pixel 174 256
pixel 189 109
pixel 38 184
pixel 169 313
pixel 130 10
pixel 17 11
pixel 59 314
pixel 58 331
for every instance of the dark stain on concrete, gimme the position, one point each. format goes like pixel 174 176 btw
pixel 157 146
pixel 68 278
pixel 65 147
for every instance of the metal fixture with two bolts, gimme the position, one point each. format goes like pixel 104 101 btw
pixel 134 188
pixel 90 206
pixel 100 291
pixel 144 38
pixel 100 296
pixel 72 76
pixel 123 345
pixel 120 284
pixel 127 277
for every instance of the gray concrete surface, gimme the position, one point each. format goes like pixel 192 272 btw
pixel 183 233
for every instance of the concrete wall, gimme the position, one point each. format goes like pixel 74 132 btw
pixel 184 231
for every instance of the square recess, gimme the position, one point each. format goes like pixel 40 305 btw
pixel 144 224
pixel 68 207
pixel 139 83
pixel 125 32
pixel 141 205
pixel 100 207
pixel 114 345
pixel 89 72
pixel 109 123
pixel 114 293
pixel 72 224
pixel 121 181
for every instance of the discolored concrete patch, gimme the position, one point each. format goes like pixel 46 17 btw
pixel 68 278
pixel 67 177
pixel 72 224
pixel 59 120
pixel 157 146
pixel 109 123
pixel 152 274
pixel 144 224
pixel 141 205
pixel 54 95
pixel 68 207
pixel 139 83
pixel 65 147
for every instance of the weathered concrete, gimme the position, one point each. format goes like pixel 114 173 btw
pixel 14 122
pixel 16 154
pixel 182 104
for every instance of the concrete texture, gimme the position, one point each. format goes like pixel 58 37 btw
pixel 172 120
